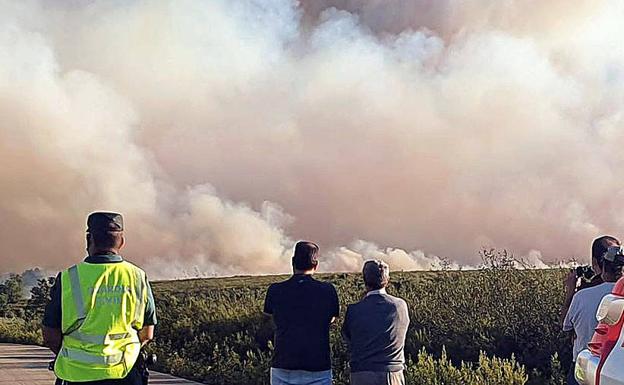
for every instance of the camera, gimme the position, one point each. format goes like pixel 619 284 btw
pixel 586 273
pixel 614 254
pixel 150 359
pixel 145 361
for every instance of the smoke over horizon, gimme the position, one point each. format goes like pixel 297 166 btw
pixel 225 130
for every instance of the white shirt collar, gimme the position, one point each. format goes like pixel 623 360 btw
pixel 380 291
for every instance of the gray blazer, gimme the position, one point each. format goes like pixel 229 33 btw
pixel 375 330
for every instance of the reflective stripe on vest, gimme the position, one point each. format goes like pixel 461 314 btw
pixel 140 293
pixel 76 290
pixel 79 355
pixel 97 339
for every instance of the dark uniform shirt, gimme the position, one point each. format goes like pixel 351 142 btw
pixel 302 310
pixel 52 317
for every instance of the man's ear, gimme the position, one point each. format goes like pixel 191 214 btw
pixel 315 263
pixel 87 238
pixel 123 242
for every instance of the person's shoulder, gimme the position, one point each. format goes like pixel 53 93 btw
pixel 133 266
pixel 399 302
pixel 391 298
pixel 328 288
pixel 322 285
pixel 589 294
pixel 604 287
pixel 275 286
pixel 355 307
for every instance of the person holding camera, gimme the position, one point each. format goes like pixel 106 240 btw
pixel 580 315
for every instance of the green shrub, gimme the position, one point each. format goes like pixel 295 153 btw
pixel 484 327
pixel 428 370
pixel 18 330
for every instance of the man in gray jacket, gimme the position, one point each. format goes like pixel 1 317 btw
pixel 375 330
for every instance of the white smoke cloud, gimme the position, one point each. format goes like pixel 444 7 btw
pixel 428 126
pixel 352 258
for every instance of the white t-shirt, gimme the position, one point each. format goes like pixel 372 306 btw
pixel 581 315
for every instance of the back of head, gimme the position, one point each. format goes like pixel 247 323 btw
pixel 105 231
pixel 600 246
pixel 305 256
pixel 376 274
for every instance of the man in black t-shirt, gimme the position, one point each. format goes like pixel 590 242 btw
pixel 303 310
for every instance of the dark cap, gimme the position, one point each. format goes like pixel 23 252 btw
pixel 104 222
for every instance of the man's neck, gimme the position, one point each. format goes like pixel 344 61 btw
pixel 303 272
pixel 103 252
pixel 375 291
pixel 606 277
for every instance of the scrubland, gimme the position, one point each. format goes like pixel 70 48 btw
pixel 496 325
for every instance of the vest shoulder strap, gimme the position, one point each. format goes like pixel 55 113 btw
pixel 76 290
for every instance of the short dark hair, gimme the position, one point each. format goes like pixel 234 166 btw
pixel 106 240
pixel 600 246
pixel 376 274
pixel 305 256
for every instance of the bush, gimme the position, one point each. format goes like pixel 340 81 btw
pixel 20 331
pixel 428 370
pixel 479 327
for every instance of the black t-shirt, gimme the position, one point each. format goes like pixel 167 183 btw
pixel 302 309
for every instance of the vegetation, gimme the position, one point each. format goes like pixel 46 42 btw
pixel 497 325
pixel 10 293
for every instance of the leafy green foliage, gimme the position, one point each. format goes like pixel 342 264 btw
pixel 498 311
pixel 39 297
pixel 496 325
pixel 11 294
pixel 487 371
pixel 21 331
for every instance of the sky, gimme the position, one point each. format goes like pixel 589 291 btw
pixel 414 131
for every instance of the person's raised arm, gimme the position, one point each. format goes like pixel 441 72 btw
pixel 570 287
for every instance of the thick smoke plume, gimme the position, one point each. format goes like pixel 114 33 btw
pixel 226 129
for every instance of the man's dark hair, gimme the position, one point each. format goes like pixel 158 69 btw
pixel 106 240
pixel 376 274
pixel 305 257
pixel 600 246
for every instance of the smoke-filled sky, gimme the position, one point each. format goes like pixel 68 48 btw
pixel 225 130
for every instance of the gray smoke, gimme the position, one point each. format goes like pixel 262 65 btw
pixel 224 130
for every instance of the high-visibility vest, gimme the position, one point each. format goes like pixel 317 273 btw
pixel 103 307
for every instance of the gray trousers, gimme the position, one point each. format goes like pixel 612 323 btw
pixel 377 378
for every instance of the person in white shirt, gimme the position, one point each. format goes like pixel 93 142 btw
pixel 581 316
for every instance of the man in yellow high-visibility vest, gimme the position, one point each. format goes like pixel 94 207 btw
pixel 101 313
